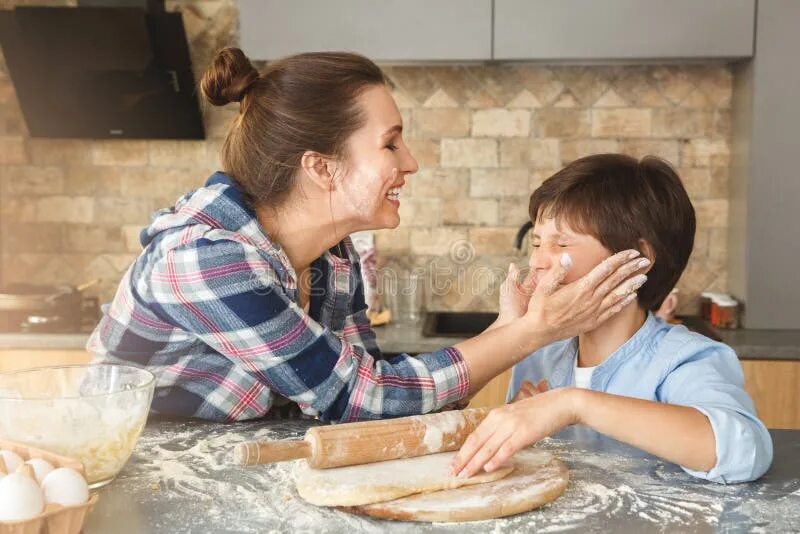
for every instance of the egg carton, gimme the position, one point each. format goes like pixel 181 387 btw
pixel 55 519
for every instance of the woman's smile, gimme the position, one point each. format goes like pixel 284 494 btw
pixel 393 195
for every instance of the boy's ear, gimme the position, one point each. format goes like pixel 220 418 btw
pixel 319 169
pixel 648 252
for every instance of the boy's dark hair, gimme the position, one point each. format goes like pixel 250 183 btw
pixel 619 201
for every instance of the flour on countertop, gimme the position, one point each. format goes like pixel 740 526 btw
pixel 190 478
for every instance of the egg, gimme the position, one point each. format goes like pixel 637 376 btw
pixel 40 468
pixel 65 486
pixel 12 460
pixel 21 498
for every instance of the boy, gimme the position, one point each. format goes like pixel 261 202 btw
pixel 659 387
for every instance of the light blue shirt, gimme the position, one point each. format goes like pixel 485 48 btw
pixel 670 364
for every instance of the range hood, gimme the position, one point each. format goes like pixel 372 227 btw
pixel 101 72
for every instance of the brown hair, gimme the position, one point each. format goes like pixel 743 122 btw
pixel 620 200
pixel 299 103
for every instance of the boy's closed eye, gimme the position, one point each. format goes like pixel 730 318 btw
pixel 559 245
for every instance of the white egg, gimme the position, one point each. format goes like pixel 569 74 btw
pixel 12 460
pixel 21 498
pixel 66 487
pixel 40 468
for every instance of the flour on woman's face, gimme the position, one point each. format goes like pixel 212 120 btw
pixel 368 187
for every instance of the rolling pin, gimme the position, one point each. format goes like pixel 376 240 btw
pixel 368 441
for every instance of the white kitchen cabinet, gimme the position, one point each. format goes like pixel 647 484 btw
pixel 384 30
pixel 587 30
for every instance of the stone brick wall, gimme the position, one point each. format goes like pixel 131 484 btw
pixel 487 136
pixel 71 210
pixel 484 136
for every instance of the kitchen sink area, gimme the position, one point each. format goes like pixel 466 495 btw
pixel 456 324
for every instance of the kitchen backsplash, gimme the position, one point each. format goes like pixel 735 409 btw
pixel 484 136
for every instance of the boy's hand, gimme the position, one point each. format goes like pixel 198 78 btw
pixel 512 427
pixel 527 389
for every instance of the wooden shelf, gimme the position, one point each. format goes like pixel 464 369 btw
pixel 19 359
pixel 775 389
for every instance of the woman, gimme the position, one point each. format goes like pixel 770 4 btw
pixel 248 293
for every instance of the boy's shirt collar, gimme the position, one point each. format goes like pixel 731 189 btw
pixel 564 368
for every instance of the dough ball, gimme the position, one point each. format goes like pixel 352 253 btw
pixel 20 498
pixel 12 460
pixel 41 468
pixel 66 487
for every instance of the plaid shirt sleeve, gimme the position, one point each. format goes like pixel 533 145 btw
pixel 230 296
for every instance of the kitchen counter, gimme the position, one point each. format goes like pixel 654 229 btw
pixel 763 344
pixel 43 341
pixel 407 337
pixel 748 344
pixel 179 479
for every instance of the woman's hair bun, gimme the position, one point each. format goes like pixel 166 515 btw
pixel 228 77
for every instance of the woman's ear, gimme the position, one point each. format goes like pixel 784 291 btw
pixel 319 169
pixel 648 252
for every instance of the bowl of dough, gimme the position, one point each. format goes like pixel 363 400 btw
pixel 92 413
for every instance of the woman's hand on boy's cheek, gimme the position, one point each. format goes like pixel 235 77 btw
pixel 562 312
pixel 513 427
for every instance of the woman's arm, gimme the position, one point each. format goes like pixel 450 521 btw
pixel 242 312
pixel 679 434
pixel 230 297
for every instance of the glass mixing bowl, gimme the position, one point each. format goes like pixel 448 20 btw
pixel 93 413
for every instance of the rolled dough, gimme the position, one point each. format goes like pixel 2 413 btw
pixel 357 485
pixel 538 479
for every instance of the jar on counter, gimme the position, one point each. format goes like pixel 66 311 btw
pixel 705 305
pixel 724 312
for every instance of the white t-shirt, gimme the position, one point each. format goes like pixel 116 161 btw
pixel 583 376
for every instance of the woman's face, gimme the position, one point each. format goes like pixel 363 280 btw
pixel 550 240
pixel 367 189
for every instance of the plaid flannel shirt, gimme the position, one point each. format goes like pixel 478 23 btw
pixel 211 308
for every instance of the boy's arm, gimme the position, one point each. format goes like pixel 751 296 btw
pixel 679 434
pixel 676 433
pixel 712 382
pixel 709 426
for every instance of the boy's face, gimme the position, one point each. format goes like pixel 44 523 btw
pixel 549 241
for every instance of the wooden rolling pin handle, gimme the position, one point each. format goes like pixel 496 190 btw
pixel 267 452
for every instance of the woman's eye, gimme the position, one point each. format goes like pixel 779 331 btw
pixel 535 245
pixel 392 147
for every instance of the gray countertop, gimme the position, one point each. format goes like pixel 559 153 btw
pixel 763 344
pixel 407 337
pixel 748 344
pixel 179 479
